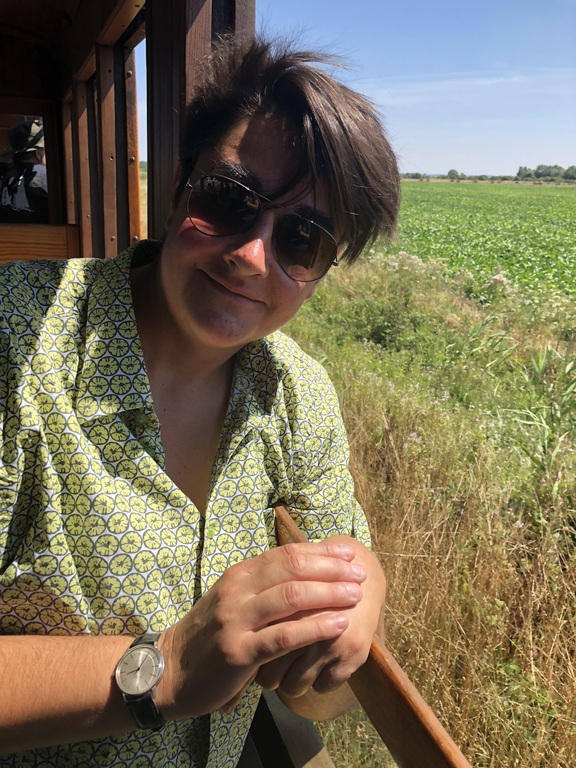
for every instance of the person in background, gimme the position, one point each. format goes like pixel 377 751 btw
pixel 152 418
pixel 24 185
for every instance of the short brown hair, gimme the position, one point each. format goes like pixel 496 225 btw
pixel 342 139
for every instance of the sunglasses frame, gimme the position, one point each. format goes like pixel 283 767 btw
pixel 264 204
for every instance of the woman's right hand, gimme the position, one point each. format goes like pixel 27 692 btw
pixel 260 609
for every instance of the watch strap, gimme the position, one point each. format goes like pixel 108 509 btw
pixel 143 708
pixel 144 711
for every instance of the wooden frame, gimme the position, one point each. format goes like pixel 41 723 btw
pixel 91 119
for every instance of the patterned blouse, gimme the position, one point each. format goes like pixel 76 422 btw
pixel 95 538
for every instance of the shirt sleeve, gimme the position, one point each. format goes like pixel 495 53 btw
pixel 322 489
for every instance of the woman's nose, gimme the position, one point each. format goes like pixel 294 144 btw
pixel 252 250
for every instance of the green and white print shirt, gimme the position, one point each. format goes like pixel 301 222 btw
pixel 95 538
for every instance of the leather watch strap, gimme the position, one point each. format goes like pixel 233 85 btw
pixel 145 712
pixel 143 708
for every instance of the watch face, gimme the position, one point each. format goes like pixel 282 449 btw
pixel 139 670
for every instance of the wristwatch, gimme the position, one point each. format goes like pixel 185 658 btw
pixel 137 674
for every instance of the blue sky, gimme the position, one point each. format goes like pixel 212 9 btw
pixel 482 86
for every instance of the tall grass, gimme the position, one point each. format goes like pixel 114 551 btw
pixel 462 422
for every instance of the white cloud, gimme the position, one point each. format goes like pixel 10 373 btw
pixel 468 88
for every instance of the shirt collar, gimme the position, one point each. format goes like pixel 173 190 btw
pixel 112 377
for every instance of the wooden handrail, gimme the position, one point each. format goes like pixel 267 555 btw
pixel 410 730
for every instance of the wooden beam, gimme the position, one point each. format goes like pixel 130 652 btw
pixel 83 168
pixel 245 18
pixel 127 165
pixel 37 241
pixel 107 134
pixel 179 34
pixel 133 155
pixel 119 20
pixel 197 45
pixel 69 160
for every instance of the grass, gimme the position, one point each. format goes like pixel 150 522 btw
pixel 459 394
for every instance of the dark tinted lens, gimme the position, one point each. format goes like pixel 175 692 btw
pixel 305 250
pixel 219 206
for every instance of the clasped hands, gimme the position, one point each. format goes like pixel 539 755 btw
pixel 294 618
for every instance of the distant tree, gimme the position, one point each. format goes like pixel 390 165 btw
pixel 453 175
pixel 570 172
pixel 552 171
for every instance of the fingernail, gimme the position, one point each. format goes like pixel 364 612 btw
pixel 341 622
pixel 354 590
pixel 345 551
pixel 358 570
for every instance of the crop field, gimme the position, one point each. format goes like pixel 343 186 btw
pixel 525 232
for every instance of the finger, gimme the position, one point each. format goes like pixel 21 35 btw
pixel 302 562
pixel 301 675
pixel 299 599
pixel 280 639
pixel 270 675
pixel 333 676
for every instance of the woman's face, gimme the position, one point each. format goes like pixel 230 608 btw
pixel 223 292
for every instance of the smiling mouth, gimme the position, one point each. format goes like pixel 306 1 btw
pixel 224 287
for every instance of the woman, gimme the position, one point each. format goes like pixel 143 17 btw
pixel 154 417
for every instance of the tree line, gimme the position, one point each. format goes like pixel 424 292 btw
pixel 542 173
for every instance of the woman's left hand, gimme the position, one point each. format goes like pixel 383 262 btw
pixel 325 666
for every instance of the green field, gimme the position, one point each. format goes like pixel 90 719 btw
pixel 527 232
pixel 458 388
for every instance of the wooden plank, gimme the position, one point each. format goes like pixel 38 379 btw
pixel 37 241
pixel 83 168
pixel 107 133
pixel 178 36
pixel 73 241
pixel 197 44
pixel 245 18
pixel 77 42
pixel 132 153
pixel 119 20
pixel 405 722
pixel 69 164
pixel 163 51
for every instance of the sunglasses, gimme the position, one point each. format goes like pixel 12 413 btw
pixel 220 207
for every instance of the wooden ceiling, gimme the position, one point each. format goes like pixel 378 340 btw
pixel 40 23
pixel 44 44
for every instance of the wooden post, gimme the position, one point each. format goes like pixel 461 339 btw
pixel 179 34
pixel 107 134
pixel 83 168
pixel 69 160
pixel 132 156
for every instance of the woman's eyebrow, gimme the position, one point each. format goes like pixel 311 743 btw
pixel 234 171
pixel 324 221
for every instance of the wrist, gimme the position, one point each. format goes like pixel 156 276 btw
pixel 165 697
